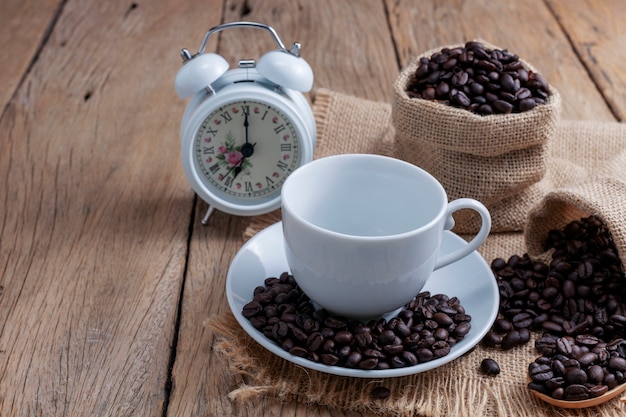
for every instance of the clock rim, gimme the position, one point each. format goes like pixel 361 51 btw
pixel 235 93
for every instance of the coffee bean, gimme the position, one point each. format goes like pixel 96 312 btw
pixel 441 334
pixel 485 109
pixel 251 309
pixel 491 339
pixel 511 340
pixel 424 355
pixel 522 320
pixel 490 366
pixel 442 319
pixel 575 376
pixel 587 358
pixel 595 374
pixel 408 358
pixel 315 341
pixel 343 337
pixel 329 359
pixel 502 326
pixel 380 393
pixel 462 329
pixel 335 322
pixel 280 330
pixel 552 327
pixel 299 351
pixel 506 82
pixel 387 337
pixel 461 99
pixel 598 390
pixel 617 363
pixel 369 363
pixel 540 372
pixel 576 392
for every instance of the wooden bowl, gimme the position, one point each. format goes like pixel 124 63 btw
pixel 590 402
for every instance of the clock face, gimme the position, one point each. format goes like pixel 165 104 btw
pixel 246 149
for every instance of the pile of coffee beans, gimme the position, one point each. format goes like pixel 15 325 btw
pixel 577 368
pixel 482 80
pixel 581 291
pixel 576 302
pixel 426 329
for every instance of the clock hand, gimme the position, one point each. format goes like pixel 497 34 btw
pixel 236 168
pixel 246 124
pixel 247 149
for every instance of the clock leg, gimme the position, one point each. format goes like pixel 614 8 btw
pixel 205 219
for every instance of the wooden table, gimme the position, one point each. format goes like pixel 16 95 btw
pixel 106 272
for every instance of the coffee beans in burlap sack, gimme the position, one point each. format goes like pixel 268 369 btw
pixel 603 197
pixel 477 118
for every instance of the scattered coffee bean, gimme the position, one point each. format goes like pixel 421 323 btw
pixel 478 79
pixel 490 366
pixel 578 293
pixel 576 302
pixel 426 329
pixel 380 393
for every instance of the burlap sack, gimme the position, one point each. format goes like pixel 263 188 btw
pixel 468 145
pixel 604 198
pixel 587 165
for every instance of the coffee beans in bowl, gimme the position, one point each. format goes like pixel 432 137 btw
pixel 426 329
pixel 477 117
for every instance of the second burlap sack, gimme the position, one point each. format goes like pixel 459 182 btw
pixel 488 158
pixel 604 198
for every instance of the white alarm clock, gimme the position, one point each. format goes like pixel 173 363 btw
pixel 245 129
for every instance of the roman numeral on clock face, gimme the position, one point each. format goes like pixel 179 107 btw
pixel 226 116
pixel 282 165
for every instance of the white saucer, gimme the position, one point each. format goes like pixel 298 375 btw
pixel 470 279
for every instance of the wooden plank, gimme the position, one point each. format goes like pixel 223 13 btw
pixel 347 45
pixel 597 31
pixel 23 26
pixel 360 63
pixel 526 28
pixel 94 214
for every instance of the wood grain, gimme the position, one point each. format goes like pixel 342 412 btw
pixel 597 32
pixel 94 216
pixel 23 28
pixel 347 51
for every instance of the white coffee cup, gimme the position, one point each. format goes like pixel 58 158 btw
pixel 362 232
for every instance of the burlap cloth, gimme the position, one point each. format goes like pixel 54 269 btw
pixel 586 175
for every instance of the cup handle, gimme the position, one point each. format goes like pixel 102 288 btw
pixel 472 245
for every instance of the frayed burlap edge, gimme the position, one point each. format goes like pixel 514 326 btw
pixel 456 389
pixel 266 375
